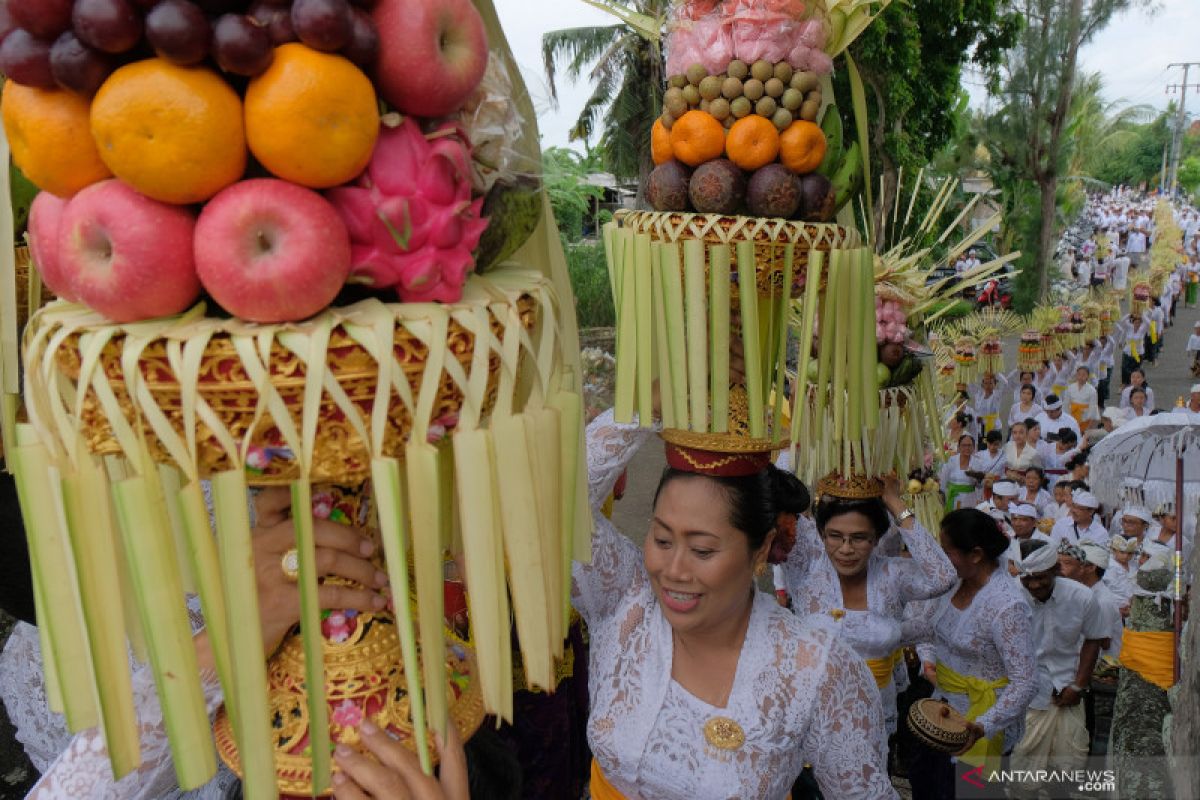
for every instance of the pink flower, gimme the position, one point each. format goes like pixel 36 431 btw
pixel 347 715
pixel 322 505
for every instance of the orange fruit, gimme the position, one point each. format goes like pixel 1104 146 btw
pixel 697 137
pixel 660 143
pixel 50 138
pixel 312 117
pixel 802 147
pixel 753 142
pixel 172 133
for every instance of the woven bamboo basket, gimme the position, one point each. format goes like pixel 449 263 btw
pixel 235 391
pixel 770 236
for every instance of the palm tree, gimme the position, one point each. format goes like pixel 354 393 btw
pixel 627 79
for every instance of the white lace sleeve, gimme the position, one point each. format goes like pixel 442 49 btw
pixel 40 731
pixel 806 553
pixel 846 739
pixel 916 628
pixel 82 770
pixel 616 567
pixel 928 573
pixel 1012 631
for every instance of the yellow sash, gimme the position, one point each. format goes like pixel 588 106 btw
pixel 991 422
pixel 1059 388
pixel 1078 410
pixel 884 668
pixel 981 696
pixel 1150 654
pixel 1153 332
pixel 601 789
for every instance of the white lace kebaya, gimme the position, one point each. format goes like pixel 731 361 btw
pixel 799 695
pixel 990 639
pixel 892 582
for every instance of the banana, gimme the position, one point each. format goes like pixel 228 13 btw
pixel 831 126
pixel 849 176
pixel 837 26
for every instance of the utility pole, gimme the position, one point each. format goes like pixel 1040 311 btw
pixel 1177 140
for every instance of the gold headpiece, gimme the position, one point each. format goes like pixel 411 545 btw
pixel 853 487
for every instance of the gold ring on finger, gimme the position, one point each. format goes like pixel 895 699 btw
pixel 290 564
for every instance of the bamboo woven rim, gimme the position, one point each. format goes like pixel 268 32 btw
pixel 719 229
pixel 199 390
pixel 852 487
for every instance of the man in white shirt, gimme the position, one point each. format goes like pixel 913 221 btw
pixel 1003 493
pixel 1087 563
pixel 1081 522
pixel 1120 272
pixel 1068 630
pixel 1193 348
pixel 1135 247
pixel 1131 332
pixel 1052 419
pixel 1192 409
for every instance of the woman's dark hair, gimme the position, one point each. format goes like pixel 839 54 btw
pixel 968 528
pixel 1031 422
pixel 873 509
pixel 1067 436
pixel 963 419
pixel 1077 460
pixel 1031 388
pixel 1040 473
pixel 994 437
pixel 966 436
pixel 1141 372
pixel 1137 390
pixel 755 501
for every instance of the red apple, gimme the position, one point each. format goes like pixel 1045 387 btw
pixel 432 54
pixel 45 217
pixel 127 256
pixel 271 251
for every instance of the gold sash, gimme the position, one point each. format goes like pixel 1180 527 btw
pixel 981 696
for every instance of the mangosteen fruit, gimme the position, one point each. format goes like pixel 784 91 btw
pixel 817 198
pixel 891 354
pixel 717 187
pixel 773 191
pixel 667 188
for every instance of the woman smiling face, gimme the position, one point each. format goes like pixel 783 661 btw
pixel 700 565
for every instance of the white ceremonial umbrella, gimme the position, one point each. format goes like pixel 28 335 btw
pixel 1163 453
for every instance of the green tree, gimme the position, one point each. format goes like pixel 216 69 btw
pixel 624 63
pixel 1028 131
pixel 911 60
pixel 564 174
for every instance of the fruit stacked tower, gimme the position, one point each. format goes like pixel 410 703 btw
pixel 747 126
pixel 235 195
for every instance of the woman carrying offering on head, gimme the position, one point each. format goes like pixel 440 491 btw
pixel 838 570
pixel 702 686
pixel 976 646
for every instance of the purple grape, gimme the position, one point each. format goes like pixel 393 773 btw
pixel 7 23
pixel 112 26
pixel 179 32
pixel 26 59
pixel 363 47
pixel 242 46
pixel 78 67
pixel 145 5
pixel 276 19
pixel 322 24
pixel 45 19
pixel 215 8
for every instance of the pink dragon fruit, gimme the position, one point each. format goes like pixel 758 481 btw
pixel 413 225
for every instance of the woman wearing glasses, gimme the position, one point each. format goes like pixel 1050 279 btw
pixel 839 569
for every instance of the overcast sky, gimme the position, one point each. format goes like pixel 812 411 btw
pixel 1132 54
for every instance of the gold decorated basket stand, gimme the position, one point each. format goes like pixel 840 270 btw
pixel 452 429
